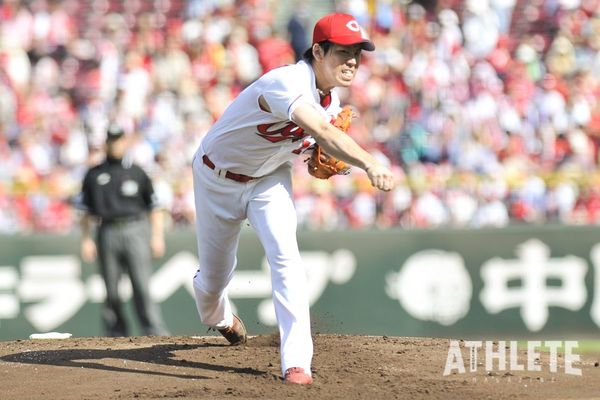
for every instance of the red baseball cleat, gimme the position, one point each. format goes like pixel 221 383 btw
pixel 297 376
pixel 235 334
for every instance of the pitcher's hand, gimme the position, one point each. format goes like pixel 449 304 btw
pixel 381 177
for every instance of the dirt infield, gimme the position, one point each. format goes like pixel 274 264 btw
pixel 345 367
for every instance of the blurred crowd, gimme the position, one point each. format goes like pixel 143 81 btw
pixel 487 110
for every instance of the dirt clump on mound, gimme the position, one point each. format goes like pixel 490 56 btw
pixel 344 367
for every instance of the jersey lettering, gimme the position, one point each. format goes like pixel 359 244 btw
pixel 279 131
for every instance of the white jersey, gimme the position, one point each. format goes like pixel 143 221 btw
pixel 251 141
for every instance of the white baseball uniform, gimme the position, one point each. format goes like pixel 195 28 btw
pixel 249 141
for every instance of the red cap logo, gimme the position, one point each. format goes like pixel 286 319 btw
pixel 341 29
pixel 353 26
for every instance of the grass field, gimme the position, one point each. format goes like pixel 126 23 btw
pixel 585 346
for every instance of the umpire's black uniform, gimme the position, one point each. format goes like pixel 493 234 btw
pixel 121 195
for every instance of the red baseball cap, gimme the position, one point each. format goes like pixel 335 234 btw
pixel 341 29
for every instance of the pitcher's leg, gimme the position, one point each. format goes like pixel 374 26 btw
pixel 210 281
pixel 273 216
pixel 217 230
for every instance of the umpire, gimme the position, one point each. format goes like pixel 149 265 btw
pixel 120 196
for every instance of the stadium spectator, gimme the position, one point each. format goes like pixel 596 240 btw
pixel 460 97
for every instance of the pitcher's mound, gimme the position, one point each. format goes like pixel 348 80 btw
pixel 344 367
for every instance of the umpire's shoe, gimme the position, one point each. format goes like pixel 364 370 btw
pixel 236 333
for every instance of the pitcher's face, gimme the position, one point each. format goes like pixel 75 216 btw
pixel 340 65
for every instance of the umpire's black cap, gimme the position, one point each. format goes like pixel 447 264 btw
pixel 114 132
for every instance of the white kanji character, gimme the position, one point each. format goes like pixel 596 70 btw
pixel 533 268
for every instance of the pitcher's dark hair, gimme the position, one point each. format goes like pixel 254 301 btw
pixel 308 54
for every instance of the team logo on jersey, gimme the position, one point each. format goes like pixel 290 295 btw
pixel 279 131
pixel 103 178
pixel 129 188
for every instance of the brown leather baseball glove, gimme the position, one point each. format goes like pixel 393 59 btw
pixel 320 164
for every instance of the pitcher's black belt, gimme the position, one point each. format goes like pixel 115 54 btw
pixel 228 174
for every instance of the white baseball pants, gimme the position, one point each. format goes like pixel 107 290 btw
pixel 222 205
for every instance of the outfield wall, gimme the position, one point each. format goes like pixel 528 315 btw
pixel 511 283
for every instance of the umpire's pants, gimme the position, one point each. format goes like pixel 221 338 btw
pixel 125 247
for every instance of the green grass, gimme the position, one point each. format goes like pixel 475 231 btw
pixel 585 346
pixel 589 346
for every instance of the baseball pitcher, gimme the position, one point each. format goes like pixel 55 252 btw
pixel 242 170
